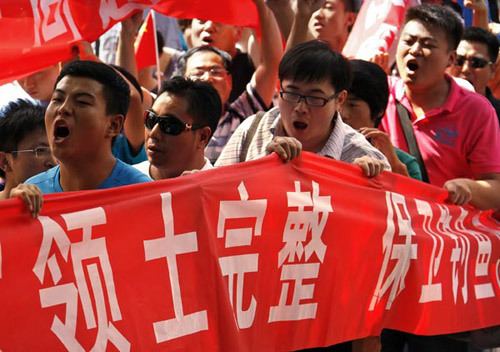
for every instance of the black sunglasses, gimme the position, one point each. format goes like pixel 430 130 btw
pixel 474 62
pixel 169 124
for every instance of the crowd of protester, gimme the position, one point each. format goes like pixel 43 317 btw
pixel 225 97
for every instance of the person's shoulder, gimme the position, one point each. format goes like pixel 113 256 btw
pixel 43 176
pixel 127 175
pixel 46 180
pixel 404 156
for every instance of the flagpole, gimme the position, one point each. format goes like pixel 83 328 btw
pixel 157 56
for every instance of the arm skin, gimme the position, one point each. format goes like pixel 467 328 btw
pixel 482 193
pixel 479 12
pixel 266 74
pixel 300 28
pixel 284 15
pixel 125 53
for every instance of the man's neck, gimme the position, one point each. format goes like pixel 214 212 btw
pixel 86 175
pixel 162 173
pixel 427 99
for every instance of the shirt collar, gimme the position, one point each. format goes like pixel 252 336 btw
pixel 333 146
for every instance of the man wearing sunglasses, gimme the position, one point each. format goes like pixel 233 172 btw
pixel 314 82
pixel 24 149
pixel 476 59
pixel 178 128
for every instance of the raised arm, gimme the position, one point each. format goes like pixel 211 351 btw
pixel 300 28
pixel 284 14
pixel 125 53
pixel 266 74
pixel 479 12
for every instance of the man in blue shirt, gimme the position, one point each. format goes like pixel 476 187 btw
pixel 85 113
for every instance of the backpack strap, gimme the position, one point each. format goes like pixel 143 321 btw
pixel 411 141
pixel 249 136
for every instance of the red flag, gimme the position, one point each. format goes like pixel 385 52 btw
pixel 145 45
pixel 35 35
pixel 372 34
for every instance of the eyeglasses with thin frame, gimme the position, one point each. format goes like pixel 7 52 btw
pixel 169 124
pixel 217 72
pixel 308 99
pixel 38 151
pixel 474 61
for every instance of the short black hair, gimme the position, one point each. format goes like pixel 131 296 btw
pixel 203 100
pixel 116 90
pixel 483 36
pixel 370 84
pixel 18 119
pixel 130 77
pixel 315 61
pixel 182 63
pixel 439 17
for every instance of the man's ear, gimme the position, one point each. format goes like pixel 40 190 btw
pixel 350 19
pixel 4 163
pixel 341 97
pixel 204 137
pixel 115 125
pixel 238 33
pixel 451 58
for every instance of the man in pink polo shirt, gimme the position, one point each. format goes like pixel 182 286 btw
pixel 456 130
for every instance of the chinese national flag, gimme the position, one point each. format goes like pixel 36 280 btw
pixel 145 44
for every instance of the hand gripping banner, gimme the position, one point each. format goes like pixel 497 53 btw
pixel 261 256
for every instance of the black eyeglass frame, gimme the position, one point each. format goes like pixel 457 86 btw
pixel 305 97
pixel 169 124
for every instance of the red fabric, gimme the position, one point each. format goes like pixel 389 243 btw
pixel 38 34
pixel 376 28
pixel 240 218
pixel 145 44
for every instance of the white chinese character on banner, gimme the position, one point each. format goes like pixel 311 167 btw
pixel 48 20
pixel 459 254
pixel 169 247
pixel 431 291
pixel 109 10
pixel 403 253
pixel 69 293
pixel 299 225
pixel 485 289
pixel 236 266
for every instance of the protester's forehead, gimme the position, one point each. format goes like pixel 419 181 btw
pixel 168 103
pixel 76 84
pixel 325 86
pixel 33 139
pixel 204 59
pixel 472 48
pixel 423 30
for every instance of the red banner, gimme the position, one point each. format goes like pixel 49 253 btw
pixel 40 33
pixel 261 256
pixel 377 28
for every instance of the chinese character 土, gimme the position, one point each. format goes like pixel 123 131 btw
pixel 169 247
